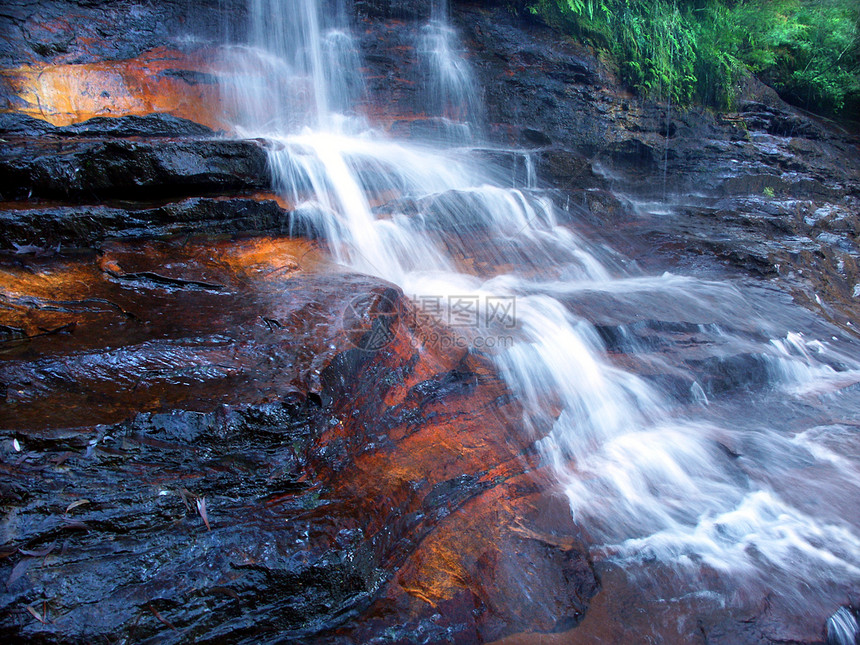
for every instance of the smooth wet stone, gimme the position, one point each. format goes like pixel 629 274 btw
pixel 43 228
pixel 92 170
pixel 150 125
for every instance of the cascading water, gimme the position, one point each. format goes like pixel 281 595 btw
pixel 449 88
pixel 657 463
pixel 298 69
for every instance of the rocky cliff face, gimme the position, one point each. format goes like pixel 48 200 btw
pixel 767 189
pixel 206 440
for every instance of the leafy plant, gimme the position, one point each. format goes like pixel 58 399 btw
pixel 682 51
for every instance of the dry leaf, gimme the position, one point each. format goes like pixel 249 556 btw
pixel 160 617
pixel 40 553
pixel 185 494
pixel 79 502
pixel 201 508
pixel 69 523
pixel 36 615
pixel 17 571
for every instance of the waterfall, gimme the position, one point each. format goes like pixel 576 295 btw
pixel 298 68
pixel 449 89
pixel 657 463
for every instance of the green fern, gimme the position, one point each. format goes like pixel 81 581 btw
pixel 682 51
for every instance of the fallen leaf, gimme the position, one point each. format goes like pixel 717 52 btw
pixel 60 459
pixel 185 494
pixel 74 524
pixel 40 553
pixel 36 615
pixel 160 617
pixel 201 508
pixel 17 571
pixel 79 502
pixel 21 249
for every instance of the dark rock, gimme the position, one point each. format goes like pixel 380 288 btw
pixel 151 125
pixel 48 227
pixel 514 167
pixel 250 575
pixel 338 474
pixel 536 81
pixel 192 77
pixel 566 169
pixel 462 213
pixel 79 31
pixel 398 9
pixel 87 170
pixel 535 137
pixel 780 122
pixel 17 124
pixel 634 154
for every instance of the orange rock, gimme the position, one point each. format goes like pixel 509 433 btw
pixel 422 454
pixel 156 81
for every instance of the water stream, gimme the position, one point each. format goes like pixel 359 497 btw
pixel 707 426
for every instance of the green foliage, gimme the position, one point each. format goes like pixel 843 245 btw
pixel 656 45
pixel 680 51
pixel 823 67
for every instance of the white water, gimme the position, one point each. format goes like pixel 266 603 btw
pixel 751 481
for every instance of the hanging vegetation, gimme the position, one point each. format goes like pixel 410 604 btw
pixel 684 51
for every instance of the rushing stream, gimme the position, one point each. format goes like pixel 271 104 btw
pixel 709 427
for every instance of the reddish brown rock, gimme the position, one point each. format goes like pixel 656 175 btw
pixel 156 81
pixel 226 439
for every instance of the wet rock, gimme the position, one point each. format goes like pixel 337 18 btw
pixel 399 9
pixel 462 213
pixel 150 158
pixel 567 169
pixel 157 81
pixel 842 627
pixel 514 168
pixel 534 80
pixel 217 442
pixel 23 125
pixel 80 31
pixel 692 183
pixel 138 554
pixel 151 125
pixel 535 138
pixel 636 155
pixel 779 122
pixel 93 169
pixel 76 226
